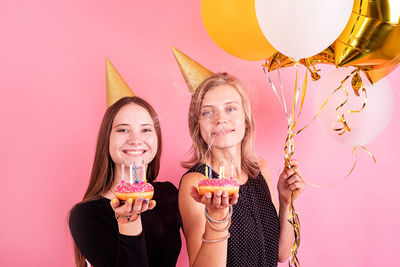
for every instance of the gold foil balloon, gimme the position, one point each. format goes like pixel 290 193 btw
pixel 233 26
pixel 376 73
pixel 116 86
pixel 193 73
pixel 371 39
pixel 280 60
pixel 327 56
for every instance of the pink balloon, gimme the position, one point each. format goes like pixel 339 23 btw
pixel 366 125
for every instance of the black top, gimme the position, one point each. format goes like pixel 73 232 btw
pixel 254 230
pixel 95 231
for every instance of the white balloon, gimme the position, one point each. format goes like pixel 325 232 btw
pixel 365 125
pixel 302 28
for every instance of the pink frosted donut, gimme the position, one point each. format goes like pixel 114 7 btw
pixel 124 190
pixel 211 185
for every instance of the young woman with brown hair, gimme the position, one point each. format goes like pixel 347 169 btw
pixel 139 233
pixel 257 232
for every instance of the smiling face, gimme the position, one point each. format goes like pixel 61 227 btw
pixel 222 119
pixel 133 137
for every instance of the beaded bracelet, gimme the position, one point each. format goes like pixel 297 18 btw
pixel 218 229
pixel 215 240
pixel 128 218
pixel 227 218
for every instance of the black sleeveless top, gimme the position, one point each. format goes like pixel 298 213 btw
pixel 254 230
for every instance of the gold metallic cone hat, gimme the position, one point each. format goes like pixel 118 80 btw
pixel 193 73
pixel 116 86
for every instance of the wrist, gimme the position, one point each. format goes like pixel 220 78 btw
pixel 133 228
pixel 218 214
pixel 284 203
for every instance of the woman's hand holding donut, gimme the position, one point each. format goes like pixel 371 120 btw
pixel 130 211
pixel 217 203
pixel 289 180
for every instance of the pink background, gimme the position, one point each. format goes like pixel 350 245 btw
pixel 53 98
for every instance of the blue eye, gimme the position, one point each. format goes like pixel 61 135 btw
pixel 207 113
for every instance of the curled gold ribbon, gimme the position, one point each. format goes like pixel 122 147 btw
pixel 355 152
pixel 289 148
pixel 294 219
pixel 292 120
pixel 357 84
pixel 295 222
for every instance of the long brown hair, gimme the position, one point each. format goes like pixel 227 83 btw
pixel 199 146
pixel 102 176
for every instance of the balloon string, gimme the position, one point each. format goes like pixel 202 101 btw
pixel 295 222
pixel 324 104
pixel 357 84
pixel 356 79
pixel 281 99
pixel 355 152
pixel 289 147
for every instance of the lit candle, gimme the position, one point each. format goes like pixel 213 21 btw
pixel 221 165
pixel 231 169
pixel 144 171
pixel 123 173
pixel 130 173
pixel 134 168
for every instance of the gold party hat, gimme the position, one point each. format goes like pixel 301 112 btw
pixel 116 86
pixel 193 73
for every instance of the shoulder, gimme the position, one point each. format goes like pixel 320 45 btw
pixel 84 212
pixel 87 207
pixel 262 164
pixel 193 175
pixel 189 179
pixel 266 174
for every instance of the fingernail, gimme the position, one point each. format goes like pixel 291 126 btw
pixel 225 194
pixel 146 201
pixel 219 193
pixel 130 200
pixel 140 199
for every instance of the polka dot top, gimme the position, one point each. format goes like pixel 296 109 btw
pixel 254 230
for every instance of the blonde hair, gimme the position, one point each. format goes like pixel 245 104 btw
pixel 199 147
